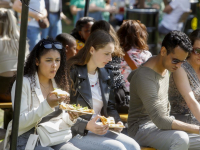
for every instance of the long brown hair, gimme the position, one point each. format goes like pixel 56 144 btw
pixel 104 25
pixel 98 39
pixel 133 33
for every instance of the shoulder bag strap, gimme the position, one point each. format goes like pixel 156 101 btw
pixel 129 61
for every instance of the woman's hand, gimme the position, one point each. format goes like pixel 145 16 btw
pixel 95 128
pixel 118 130
pixel 53 100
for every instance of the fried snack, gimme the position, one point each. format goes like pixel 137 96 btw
pixel 77 108
pixel 104 120
pixel 111 122
pixel 60 92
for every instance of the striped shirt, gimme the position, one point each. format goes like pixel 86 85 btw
pixel 148 99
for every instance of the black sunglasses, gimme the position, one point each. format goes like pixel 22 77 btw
pixel 49 45
pixel 176 61
pixel 196 50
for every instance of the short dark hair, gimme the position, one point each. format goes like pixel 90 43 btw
pixel 177 38
pixel 65 39
pixel 195 35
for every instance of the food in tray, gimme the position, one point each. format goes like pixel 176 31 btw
pixel 77 108
pixel 60 92
pixel 111 122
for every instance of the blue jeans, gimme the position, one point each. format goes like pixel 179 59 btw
pixel 54 28
pixel 33 35
pixel 150 135
pixel 109 141
pixel 22 140
pixel 163 30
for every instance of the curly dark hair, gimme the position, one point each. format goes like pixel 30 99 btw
pixel 30 67
pixel 79 25
pixel 133 33
pixel 195 35
pixel 177 38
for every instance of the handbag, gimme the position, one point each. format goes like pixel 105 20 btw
pixel 122 98
pixel 53 132
pixel 43 23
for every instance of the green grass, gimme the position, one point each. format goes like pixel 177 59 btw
pixel 67 28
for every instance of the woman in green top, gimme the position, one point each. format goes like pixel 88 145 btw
pixel 95 5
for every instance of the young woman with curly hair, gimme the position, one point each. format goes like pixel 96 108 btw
pixel 133 39
pixel 44 70
pixel 92 86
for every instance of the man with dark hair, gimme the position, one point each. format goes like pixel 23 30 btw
pixel 149 122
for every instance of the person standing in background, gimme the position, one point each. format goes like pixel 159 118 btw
pixel 55 14
pixel 33 29
pixel 173 12
pixel 95 6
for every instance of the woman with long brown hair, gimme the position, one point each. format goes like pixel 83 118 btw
pixel 92 86
pixel 121 92
pixel 133 39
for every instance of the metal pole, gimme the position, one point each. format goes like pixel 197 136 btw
pixel 20 73
pixel 86 10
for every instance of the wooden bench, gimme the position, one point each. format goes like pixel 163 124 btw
pixel 5 105
pixel 124 117
pixel 7 108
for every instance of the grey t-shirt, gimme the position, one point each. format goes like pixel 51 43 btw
pixel 149 99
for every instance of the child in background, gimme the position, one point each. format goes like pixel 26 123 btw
pixel 69 42
pixel 81 32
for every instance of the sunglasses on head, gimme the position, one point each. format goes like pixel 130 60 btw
pixel 196 50
pixel 176 61
pixel 50 45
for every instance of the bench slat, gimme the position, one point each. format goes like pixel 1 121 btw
pixel 6 105
pixel 124 117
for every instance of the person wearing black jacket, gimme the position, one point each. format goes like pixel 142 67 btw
pixel 92 86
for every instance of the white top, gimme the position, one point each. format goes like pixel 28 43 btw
pixel 53 5
pixel 37 5
pixel 170 21
pixel 96 93
pixel 33 108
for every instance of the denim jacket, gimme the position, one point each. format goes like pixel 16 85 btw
pixel 83 96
